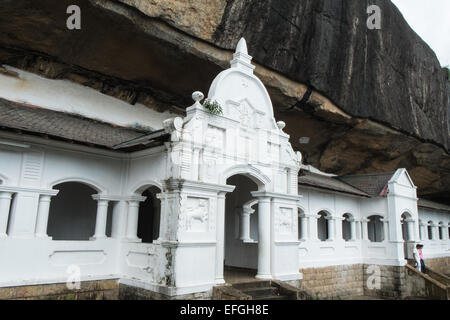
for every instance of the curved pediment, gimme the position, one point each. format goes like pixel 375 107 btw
pixel 241 94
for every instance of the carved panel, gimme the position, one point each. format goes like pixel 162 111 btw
pixel 195 215
pixel 284 221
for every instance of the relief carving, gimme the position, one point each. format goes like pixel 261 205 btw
pixel 196 214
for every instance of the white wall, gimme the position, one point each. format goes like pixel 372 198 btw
pixel 66 96
pixel 435 248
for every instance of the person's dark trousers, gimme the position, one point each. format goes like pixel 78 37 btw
pixel 422 266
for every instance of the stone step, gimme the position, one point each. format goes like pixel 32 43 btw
pixel 272 297
pixel 254 284
pixel 261 291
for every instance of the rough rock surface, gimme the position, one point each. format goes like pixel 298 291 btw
pixel 370 100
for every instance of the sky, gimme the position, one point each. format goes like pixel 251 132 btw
pixel 430 19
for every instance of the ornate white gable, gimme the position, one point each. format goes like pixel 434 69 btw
pixel 246 134
pixel 243 96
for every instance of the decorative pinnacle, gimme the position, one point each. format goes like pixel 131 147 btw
pixel 241 59
pixel 242 46
pixel 198 96
pixel 281 125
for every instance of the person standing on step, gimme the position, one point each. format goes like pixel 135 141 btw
pixel 416 255
pixel 422 263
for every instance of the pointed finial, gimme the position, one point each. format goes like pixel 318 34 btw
pixel 241 59
pixel 242 46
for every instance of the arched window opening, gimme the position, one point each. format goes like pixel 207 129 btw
pixel 441 230
pixel 72 212
pixel 430 230
pixel 323 231
pixel 375 229
pixel 347 227
pixel 13 197
pixel 149 216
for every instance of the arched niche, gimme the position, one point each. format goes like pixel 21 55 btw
pixel 73 212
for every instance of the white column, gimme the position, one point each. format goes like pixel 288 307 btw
pixel 433 231
pixel 220 238
pixel 385 229
pixel 444 232
pixel 423 230
pixel 364 229
pixel 102 216
pixel 119 219
pixel 313 227
pixel 357 224
pixel 410 228
pixel 5 204
pixel 245 224
pixel 42 216
pixel 132 222
pixel 303 227
pixel 352 230
pixel 331 230
pixel 264 238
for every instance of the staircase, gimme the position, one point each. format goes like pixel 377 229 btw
pixel 259 290
pixel 432 285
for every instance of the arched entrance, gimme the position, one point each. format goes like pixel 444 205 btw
pixel 241 255
pixel 240 247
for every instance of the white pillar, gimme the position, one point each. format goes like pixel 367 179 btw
pixel 220 234
pixel 364 229
pixel 42 216
pixel 331 230
pixel 102 216
pixel 303 227
pixel 423 230
pixel 433 231
pixel 385 229
pixel 5 204
pixel 132 222
pixel 119 219
pixel 410 228
pixel 352 230
pixel 313 227
pixel 357 224
pixel 264 228
pixel 444 232
pixel 245 225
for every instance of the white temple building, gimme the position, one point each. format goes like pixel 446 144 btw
pixel 169 204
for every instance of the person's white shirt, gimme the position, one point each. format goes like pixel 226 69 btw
pixel 417 258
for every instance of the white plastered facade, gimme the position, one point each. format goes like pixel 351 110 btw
pixel 191 171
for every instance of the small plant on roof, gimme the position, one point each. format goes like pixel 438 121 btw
pixel 213 107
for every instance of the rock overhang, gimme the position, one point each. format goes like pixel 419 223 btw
pixel 150 57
